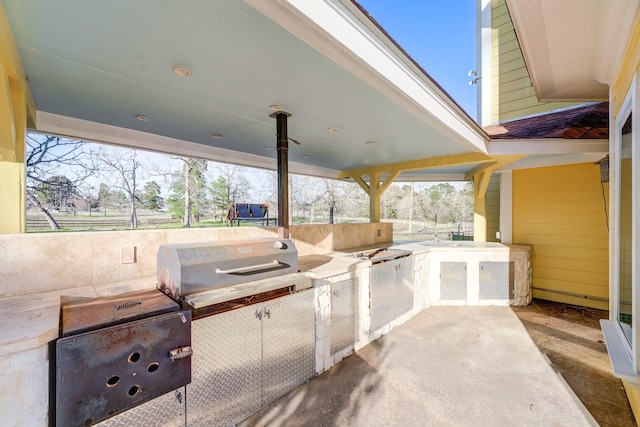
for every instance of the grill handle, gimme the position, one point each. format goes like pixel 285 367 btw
pixel 273 264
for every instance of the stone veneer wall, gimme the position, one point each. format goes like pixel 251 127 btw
pixel 44 262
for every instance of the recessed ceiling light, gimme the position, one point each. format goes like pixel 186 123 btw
pixel 268 148
pixel 182 71
pixel 142 118
pixel 306 156
pixel 333 130
pixel 216 136
pixel 276 107
pixel 370 142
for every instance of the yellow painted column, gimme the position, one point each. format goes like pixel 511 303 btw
pixel 16 107
pixel 480 185
pixel 374 197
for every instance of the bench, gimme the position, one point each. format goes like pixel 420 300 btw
pixel 250 212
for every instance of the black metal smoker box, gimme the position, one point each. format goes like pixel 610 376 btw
pixel 115 353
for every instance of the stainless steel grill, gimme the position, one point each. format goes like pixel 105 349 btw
pixel 211 278
pixel 254 323
pixel 185 269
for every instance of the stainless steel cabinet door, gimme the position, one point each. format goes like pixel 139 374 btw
pixel 404 286
pixel 288 326
pixel 381 293
pixel 344 315
pixel 227 368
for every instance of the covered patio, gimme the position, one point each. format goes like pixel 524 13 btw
pixel 314 88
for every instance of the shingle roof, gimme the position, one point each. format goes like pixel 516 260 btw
pixel 588 122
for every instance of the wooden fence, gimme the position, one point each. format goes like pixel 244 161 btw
pixel 86 223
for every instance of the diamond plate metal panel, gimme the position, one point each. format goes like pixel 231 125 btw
pixel 453 281
pixel 381 293
pixel 404 286
pixel 344 314
pixel 227 368
pixel 494 281
pixel 167 410
pixel 289 359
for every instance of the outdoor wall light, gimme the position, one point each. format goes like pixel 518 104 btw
pixel 604 169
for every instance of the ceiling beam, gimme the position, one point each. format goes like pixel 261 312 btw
pixel 497 163
pixel 428 163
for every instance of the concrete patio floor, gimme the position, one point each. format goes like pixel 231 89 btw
pixel 462 366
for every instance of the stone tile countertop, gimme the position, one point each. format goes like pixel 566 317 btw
pixel 32 320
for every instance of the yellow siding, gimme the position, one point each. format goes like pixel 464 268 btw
pixel 560 211
pixel 492 201
pixel 519 98
pixel 621 84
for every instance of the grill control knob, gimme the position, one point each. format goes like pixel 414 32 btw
pixel 280 244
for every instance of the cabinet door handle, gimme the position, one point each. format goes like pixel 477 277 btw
pixel 267 313
pixel 258 314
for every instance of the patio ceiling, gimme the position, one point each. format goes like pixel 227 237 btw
pixel 571 46
pixel 93 67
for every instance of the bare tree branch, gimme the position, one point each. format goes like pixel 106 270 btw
pixel 47 158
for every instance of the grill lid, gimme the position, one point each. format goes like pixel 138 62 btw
pixel 94 313
pixel 185 269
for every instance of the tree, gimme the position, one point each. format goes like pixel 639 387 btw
pixel 220 194
pixel 231 186
pixel 434 201
pixel 45 156
pixel 127 170
pixel 463 204
pixel 188 196
pixel 151 198
pixel 57 191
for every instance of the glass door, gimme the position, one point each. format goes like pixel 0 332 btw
pixel 625 221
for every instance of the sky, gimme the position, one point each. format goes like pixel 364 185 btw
pixel 440 35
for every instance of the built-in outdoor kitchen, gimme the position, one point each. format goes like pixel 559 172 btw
pixel 223 326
